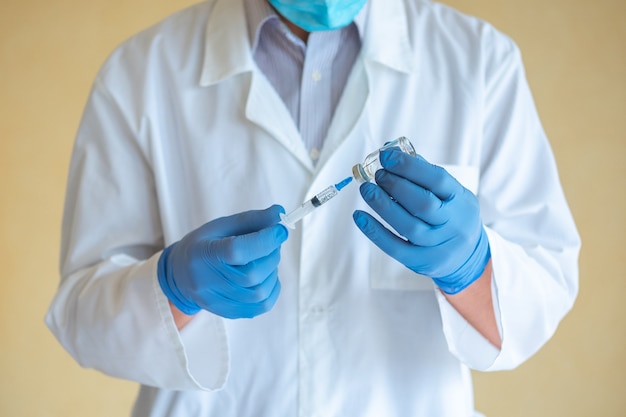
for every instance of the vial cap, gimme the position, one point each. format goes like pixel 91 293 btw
pixel 359 174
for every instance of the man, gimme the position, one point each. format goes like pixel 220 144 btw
pixel 178 275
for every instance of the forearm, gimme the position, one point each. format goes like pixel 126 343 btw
pixel 475 304
pixel 110 318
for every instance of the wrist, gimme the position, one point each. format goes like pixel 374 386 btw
pixel 470 271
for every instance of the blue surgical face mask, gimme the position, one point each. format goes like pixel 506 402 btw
pixel 316 15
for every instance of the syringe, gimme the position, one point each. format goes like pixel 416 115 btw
pixel 308 206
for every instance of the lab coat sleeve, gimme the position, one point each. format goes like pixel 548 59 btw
pixel 533 239
pixel 109 311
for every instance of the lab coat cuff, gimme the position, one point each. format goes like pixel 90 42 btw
pixel 529 302
pixel 201 347
pixel 464 341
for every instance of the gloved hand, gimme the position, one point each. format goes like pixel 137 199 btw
pixel 439 218
pixel 228 266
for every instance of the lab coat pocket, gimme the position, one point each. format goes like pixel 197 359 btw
pixel 388 274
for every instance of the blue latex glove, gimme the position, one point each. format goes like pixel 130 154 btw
pixel 228 266
pixel 437 216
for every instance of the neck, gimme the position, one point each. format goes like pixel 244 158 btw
pixel 295 29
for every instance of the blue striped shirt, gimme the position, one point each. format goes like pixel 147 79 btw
pixel 309 77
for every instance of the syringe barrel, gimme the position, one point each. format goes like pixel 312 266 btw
pixel 296 215
pixel 308 206
pixel 324 196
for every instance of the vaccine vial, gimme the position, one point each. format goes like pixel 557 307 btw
pixel 365 171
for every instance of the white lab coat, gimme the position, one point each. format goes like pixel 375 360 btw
pixel 181 128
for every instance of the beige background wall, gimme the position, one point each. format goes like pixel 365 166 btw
pixel 575 54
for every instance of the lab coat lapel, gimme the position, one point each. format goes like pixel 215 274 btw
pixel 386 43
pixel 266 109
pixel 228 54
pixel 349 121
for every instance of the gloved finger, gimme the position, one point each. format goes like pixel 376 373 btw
pixel 265 289
pixel 388 242
pixel 243 249
pixel 253 273
pixel 414 229
pixel 418 201
pixel 235 310
pixel 249 295
pixel 265 305
pixel 245 222
pixel 421 172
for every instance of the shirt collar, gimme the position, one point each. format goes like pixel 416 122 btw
pixel 258 12
pixel 233 27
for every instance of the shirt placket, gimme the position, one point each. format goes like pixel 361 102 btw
pixel 316 89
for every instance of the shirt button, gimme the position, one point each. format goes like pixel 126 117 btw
pixel 316 75
pixel 314 154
